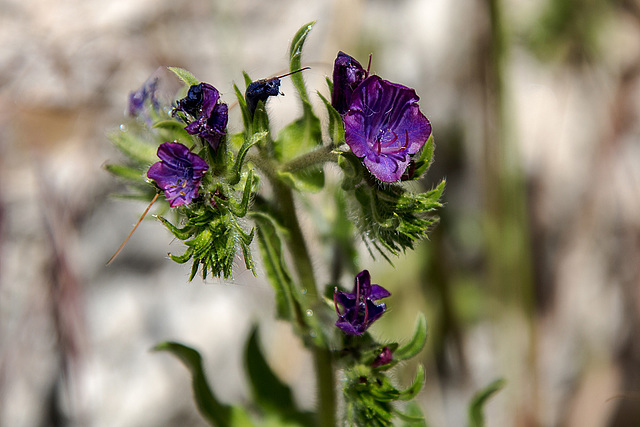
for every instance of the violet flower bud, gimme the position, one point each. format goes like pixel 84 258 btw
pixel 347 75
pixel 178 173
pixel 384 358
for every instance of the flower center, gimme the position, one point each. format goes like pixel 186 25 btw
pixel 388 140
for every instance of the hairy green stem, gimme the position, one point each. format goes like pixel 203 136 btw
pixel 319 156
pixel 304 269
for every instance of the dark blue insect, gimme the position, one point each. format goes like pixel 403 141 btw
pixel 260 90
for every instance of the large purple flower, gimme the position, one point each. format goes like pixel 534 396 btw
pixel 347 75
pixel 210 116
pixel 178 173
pixel 384 126
pixel 359 309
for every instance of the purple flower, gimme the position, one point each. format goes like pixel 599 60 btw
pixel 384 126
pixel 178 173
pixel 210 116
pixel 347 75
pixel 140 99
pixel 359 309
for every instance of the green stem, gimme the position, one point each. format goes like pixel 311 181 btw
pixel 319 156
pixel 304 269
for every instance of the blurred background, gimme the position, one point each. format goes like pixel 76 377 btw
pixel 532 275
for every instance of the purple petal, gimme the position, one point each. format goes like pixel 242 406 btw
pixel 378 292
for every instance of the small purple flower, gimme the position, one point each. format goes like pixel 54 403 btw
pixel 178 173
pixel 347 75
pixel 210 116
pixel 384 126
pixel 359 309
pixel 140 99
pixel 384 358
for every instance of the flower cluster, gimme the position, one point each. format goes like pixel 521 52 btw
pixel 359 308
pixel 208 115
pixel 383 123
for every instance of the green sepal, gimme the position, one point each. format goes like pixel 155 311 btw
pixel 240 209
pixel 335 126
pixel 268 391
pixel 417 341
pixel 236 171
pixel 184 75
pixel 415 387
pixel 126 172
pixel 426 158
pixel 295 63
pixel 329 84
pixel 242 103
pixel 247 81
pixel 181 259
pixel 181 233
pixel 476 416
pixel 393 219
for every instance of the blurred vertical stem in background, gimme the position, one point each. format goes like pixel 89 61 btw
pixel 508 255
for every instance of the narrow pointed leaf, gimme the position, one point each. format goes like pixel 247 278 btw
pixel 415 387
pixel 271 394
pixel 416 343
pixel 476 416
pixel 215 412
pixel 295 56
pixel 185 76
pixel 128 173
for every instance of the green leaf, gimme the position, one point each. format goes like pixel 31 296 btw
pixel 417 341
pixel 126 172
pixel 137 149
pixel 215 412
pixel 185 76
pixel 476 416
pixel 295 56
pixel 271 394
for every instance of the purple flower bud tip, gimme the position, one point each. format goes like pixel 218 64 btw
pixel 359 309
pixel 384 126
pixel 210 116
pixel 178 173
pixel 384 358
pixel 347 75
